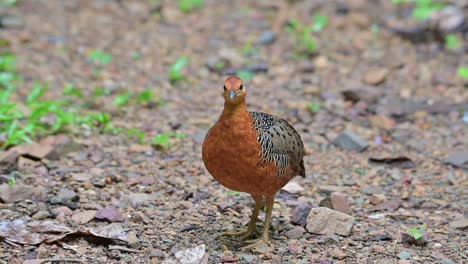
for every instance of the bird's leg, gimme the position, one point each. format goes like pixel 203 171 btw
pixel 251 228
pixel 263 239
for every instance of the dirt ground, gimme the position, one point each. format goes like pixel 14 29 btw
pixel 407 100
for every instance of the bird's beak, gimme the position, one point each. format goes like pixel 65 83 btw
pixel 232 94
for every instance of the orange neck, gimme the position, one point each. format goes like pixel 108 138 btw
pixel 231 110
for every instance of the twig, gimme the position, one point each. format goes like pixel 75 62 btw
pixel 72 248
pixel 12 244
pixel 123 249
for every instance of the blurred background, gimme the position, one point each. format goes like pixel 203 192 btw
pixel 123 93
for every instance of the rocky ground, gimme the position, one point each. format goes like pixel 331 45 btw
pixel 378 103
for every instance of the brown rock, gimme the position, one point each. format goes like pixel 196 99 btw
pixel 337 253
pixel 376 199
pixel 62 210
pixel 295 233
pixel 324 220
pixel 460 223
pixel 375 76
pixel 340 202
pixel 15 193
pixel 382 121
pixel 84 217
pixel 140 148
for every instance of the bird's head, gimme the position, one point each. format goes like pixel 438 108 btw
pixel 233 90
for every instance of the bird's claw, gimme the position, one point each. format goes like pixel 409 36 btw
pixel 254 243
pixel 243 234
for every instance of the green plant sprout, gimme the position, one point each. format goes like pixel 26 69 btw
pixel 417 233
pixel 145 97
pixel 314 107
pixel 122 99
pixel 162 139
pixel 175 71
pixel 422 9
pixel 138 133
pixel 245 75
pixel 100 57
pixel 99 91
pixel 188 5
pixel 303 37
pixel 37 91
pixel 452 42
pixel 320 22
pixel 71 90
pixel 462 71
pixel 11 181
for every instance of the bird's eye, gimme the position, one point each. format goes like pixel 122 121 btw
pixel 224 87
pixel 241 87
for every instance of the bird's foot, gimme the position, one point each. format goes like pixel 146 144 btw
pixel 263 241
pixel 242 234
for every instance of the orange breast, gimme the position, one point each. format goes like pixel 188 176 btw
pixel 231 154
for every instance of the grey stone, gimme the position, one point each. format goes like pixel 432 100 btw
pixel 300 214
pixel 459 158
pixel 350 141
pixel 267 37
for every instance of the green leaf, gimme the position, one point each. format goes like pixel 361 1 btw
pixel 145 96
pixel 175 71
pixel 122 99
pixel 8 63
pixel 137 132
pixel 314 107
pixel 100 57
pixel 232 192
pixel 37 91
pixel 71 90
pixel 101 91
pixel 462 71
pixel 11 181
pixel 245 75
pixel 161 140
pixel 320 22
pixel 188 5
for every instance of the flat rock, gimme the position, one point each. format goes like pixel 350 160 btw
pixel 375 76
pixel 140 148
pixel 40 215
pixel 340 202
pixel 110 213
pixel 64 196
pixel 459 158
pixel 376 199
pixel 324 220
pixel 137 199
pixel 337 201
pixel 337 253
pixel 84 217
pixel 62 210
pixel 295 233
pixel 300 214
pixel 460 223
pixel 293 187
pixel 350 141
pixel 15 193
